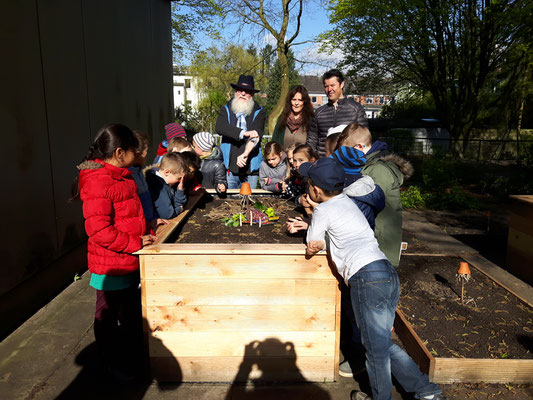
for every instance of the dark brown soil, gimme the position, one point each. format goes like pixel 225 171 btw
pixel 492 323
pixel 205 225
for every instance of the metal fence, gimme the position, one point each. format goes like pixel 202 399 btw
pixel 476 149
pixel 489 150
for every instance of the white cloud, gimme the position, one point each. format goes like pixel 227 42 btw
pixel 316 63
pixel 268 38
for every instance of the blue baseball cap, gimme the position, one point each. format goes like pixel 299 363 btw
pixel 326 173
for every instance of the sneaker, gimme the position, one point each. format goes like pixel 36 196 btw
pixel 345 369
pixel 357 395
pixel 439 396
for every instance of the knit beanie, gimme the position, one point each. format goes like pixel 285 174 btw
pixel 204 140
pixel 351 159
pixel 173 130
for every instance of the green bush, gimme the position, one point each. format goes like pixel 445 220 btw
pixel 455 198
pixel 413 198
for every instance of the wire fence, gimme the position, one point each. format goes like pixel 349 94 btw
pixel 488 150
pixel 483 150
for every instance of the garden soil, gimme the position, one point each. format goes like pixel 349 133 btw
pixel 490 323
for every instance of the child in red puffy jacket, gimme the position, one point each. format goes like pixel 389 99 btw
pixel 116 227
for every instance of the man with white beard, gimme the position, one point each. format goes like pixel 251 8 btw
pixel 241 123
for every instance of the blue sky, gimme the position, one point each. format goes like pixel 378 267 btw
pixel 314 21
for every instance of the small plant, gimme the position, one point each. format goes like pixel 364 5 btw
pixel 268 211
pixel 234 220
pixel 77 277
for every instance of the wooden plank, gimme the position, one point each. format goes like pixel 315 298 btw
pixel 236 344
pixel 508 281
pixel 449 370
pixel 520 240
pixel 164 231
pixel 521 222
pixel 235 267
pixel 226 248
pixel 337 330
pixel 523 198
pixel 241 318
pixel 520 264
pixel 413 344
pixel 239 369
pixel 237 191
pixel 239 292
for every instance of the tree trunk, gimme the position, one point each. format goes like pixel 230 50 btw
pixel 282 51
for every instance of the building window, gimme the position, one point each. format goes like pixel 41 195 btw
pixel 313 99
pixel 187 83
pixel 179 91
pixel 369 100
pixel 381 100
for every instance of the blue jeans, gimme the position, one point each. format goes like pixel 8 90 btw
pixel 234 181
pixel 375 290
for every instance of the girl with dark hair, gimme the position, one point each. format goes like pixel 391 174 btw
pixel 273 170
pixel 116 227
pixel 296 119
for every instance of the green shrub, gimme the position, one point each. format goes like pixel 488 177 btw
pixel 413 198
pixel 455 198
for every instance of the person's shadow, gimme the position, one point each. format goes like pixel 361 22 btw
pixel 263 377
pixel 92 382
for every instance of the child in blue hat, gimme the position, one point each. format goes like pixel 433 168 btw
pixel 373 282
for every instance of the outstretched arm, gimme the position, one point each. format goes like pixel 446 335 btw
pixel 243 158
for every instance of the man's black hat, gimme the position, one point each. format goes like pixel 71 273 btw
pixel 245 82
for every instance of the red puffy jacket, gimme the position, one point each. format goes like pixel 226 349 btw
pixel 114 218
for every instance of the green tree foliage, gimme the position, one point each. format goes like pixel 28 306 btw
pixel 191 18
pixel 454 49
pixel 274 82
pixel 274 17
pixel 215 69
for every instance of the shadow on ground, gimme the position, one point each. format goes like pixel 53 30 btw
pixel 257 375
pixel 94 382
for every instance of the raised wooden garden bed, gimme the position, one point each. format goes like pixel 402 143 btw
pixel 520 239
pixel 489 339
pixel 223 312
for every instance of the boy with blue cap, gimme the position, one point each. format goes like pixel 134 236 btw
pixel 373 281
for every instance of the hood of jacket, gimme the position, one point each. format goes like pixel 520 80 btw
pixel 380 151
pixel 216 154
pixel 151 168
pixel 365 190
pixel 89 167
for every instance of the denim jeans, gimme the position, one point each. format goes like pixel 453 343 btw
pixel 375 290
pixel 234 181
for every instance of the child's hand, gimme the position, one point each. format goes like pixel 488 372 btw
pixel 221 188
pixel 314 246
pixel 312 203
pixel 283 186
pixel 296 224
pixel 181 183
pixel 304 200
pixel 158 222
pixel 148 239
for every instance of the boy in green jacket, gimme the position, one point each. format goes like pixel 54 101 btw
pixel 389 171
